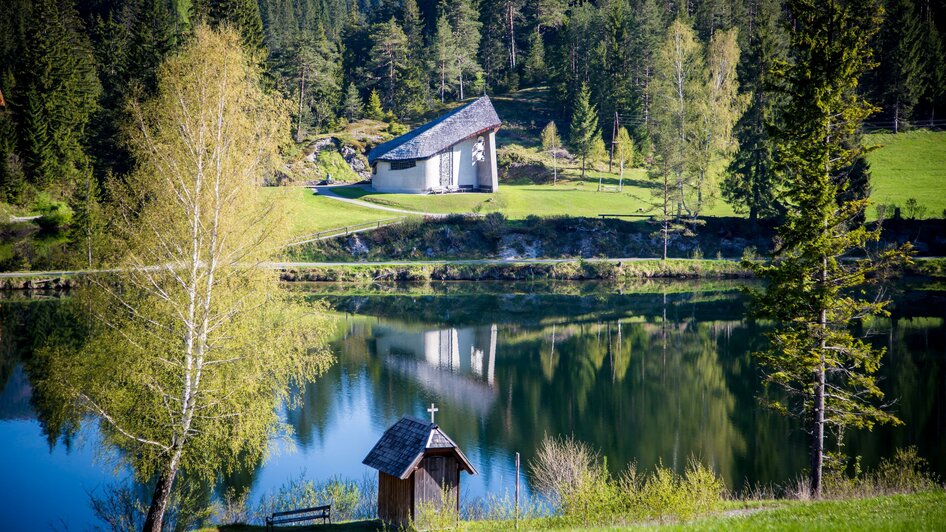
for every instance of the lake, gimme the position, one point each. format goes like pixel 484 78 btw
pixel 651 373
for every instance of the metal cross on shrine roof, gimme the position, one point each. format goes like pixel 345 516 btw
pixel 433 409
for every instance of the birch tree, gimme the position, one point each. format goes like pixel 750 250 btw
pixel 716 115
pixel 623 154
pixel 676 84
pixel 192 348
pixel 551 142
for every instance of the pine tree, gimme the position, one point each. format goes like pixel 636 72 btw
pixel 351 105
pixel 810 292
pixel 934 82
pixel 584 131
pixel 901 54
pixel 442 57
pixel 464 19
pixel 61 91
pixel 551 142
pixel 549 14
pixel 387 66
pixel 535 60
pixel 414 96
pixel 644 45
pixel 244 15
pixel 750 183
pixel 414 29
pixel 373 109
pixel 88 224
pixel 310 65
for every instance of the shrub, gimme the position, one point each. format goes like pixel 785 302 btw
pixel 349 499
pixel 493 226
pixel 560 465
pixel 433 516
pixel 54 215
pixel 905 472
pixel 664 493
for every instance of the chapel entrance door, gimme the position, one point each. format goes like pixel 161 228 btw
pixel 446 168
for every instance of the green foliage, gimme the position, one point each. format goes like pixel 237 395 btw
pixel 373 109
pixel 750 184
pixel 535 60
pixel 352 106
pixel 576 480
pixel 813 292
pixel 583 132
pixel 437 515
pixel 902 62
pixel 349 499
pixel 54 215
pixel 242 15
pixel 61 90
pixel 905 472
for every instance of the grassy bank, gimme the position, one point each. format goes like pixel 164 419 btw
pixel 520 271
pixel 917 511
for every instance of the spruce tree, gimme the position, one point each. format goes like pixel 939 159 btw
pixel 373 110
pixel 244 15
pixel 901 55
pixel 583 131
pixel 750 184
pixel 442 58
pixel 535 60
pixel 388 66
pixel 352 106
pixel 464 19
pixel 812 289
pixel 61 92
pixel 934 82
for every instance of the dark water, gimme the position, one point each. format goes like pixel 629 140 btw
pixel 652 374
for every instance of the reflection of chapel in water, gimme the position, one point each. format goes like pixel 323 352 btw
pixel 455 363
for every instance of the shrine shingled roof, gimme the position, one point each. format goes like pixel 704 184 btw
pixel 403 445
pixel 443 132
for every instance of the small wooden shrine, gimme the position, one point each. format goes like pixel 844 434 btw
pixel 417 463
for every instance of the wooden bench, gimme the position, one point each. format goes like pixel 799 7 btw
pixel 299 516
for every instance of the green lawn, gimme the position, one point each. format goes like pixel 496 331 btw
pixel 910 165
pixel 920 511
pixel 907 165
pixel 570 197
pixel 309 213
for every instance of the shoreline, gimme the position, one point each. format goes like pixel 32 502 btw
pixel 600 269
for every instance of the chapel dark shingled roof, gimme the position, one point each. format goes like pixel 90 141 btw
pixel 425 141
pixel 402 447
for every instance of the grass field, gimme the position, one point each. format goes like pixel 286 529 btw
pixel 907 165
pixel 309 213
pixel 570 196
pixel 919 511
pixel 910 165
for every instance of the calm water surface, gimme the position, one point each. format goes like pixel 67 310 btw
pixel 651 374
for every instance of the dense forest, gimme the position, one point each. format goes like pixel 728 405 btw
pixel 69 68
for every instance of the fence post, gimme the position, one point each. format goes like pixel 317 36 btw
pixel 517 491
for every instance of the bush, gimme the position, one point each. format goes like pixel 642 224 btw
pixel 560 465
pixel 349 499
pixel 54 215
pixel 905 472
pixel 571 476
